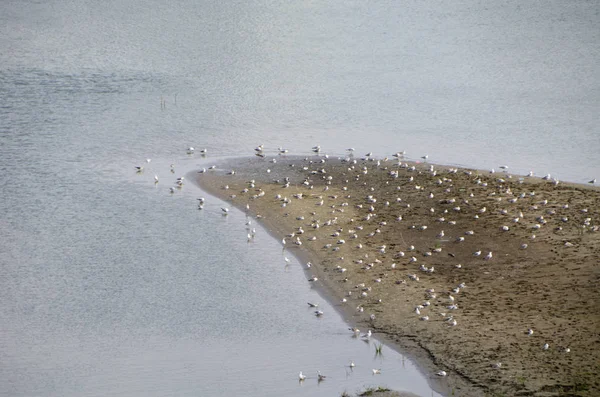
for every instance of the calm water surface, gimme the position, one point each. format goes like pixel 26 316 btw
pixel 110 285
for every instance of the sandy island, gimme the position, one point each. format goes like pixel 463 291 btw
pixel 489 277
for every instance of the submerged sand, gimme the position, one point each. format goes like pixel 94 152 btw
pixel 390 237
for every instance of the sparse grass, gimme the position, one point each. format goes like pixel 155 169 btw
pixel 378 348
pixel 369 391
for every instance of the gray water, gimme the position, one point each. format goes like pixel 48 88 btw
pixel 110 285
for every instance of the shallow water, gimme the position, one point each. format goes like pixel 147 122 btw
pixel 112 286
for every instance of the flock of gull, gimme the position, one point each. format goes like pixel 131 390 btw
pixel 354 229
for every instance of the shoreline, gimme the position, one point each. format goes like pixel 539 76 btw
pixel 468 356
pixel 413 351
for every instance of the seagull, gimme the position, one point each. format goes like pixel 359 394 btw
pixel 546 346
pixel 529 331
pixel 351 365
pixel 301 376
pixel 320 377
pixel 488 256
pixel 190 150
pixel 367 335
pixel 225 210
pixel 439 373
pixel 376 371
pixel 318 313
pixel 155 178
pixel 425 157
pixel 139 169
pixel 592 181
pixel 315 305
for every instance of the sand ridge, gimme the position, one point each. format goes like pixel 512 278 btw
pixel 461 263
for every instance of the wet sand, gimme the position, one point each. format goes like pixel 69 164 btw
pixel 390 237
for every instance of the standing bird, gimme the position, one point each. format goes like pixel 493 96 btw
pixel 301 376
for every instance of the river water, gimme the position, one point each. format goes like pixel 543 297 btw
pixel 111 285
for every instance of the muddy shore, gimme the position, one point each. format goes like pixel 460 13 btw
pixel 490 277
